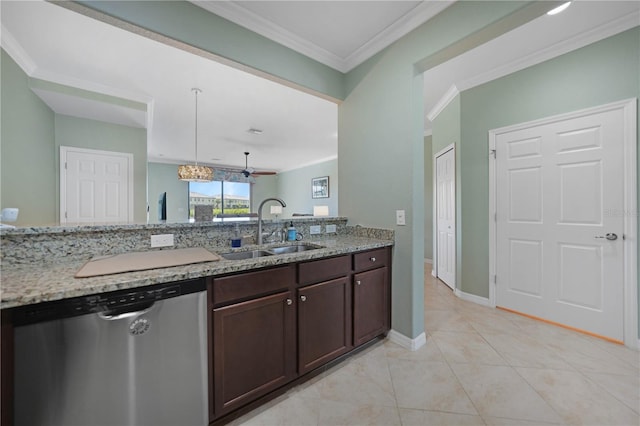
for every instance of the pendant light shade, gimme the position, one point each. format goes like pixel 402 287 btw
pixel 194 172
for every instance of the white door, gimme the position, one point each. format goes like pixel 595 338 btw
pixel 446 217
pixel 95 186
pixel 558 186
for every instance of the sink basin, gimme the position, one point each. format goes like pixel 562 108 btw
pixel 240 255
pixel 293 249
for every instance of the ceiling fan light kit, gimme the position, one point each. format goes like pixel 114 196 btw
pixel 194 172
pixel 248 171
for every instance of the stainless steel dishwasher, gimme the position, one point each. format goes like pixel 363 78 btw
pixel 136 357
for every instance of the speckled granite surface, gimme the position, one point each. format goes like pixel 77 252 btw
pixel 33 280
pixel 55 244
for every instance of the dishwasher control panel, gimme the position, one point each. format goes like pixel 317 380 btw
pixel 121 299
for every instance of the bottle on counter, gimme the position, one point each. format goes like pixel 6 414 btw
pixel 291 232
pixel 236 240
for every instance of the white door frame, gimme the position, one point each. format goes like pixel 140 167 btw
pixel 628 106
pixel 434 269
pixel 63 176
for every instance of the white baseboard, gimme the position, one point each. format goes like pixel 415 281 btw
pixel 406 342
pixel 433 273
pixel 429 261
pixel 484 301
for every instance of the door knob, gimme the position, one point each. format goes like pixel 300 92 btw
pixel 610 236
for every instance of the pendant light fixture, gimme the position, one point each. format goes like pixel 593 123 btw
pixel 194 172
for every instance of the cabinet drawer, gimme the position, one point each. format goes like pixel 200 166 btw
pixel 250 284
pixel 323 270
pixel 370 259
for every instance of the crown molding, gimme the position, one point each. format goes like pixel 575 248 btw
pixel 234 12
pixel 403 26
pixel 17 53
pixel 565 46
pixel 443 102
pixel 311 163
pixel 256 23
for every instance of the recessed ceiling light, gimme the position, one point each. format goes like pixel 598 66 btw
pixel 559 9
pixel 255 131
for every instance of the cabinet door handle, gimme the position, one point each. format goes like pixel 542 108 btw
pixel 303 298
pixel 289 301
pixel 373 259
pixel 358 282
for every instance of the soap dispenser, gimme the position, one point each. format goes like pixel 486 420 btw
pixel 291 232
pixel 236 241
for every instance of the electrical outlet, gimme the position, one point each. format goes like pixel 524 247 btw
pixel 162 240
pixel 400 217
pixel 315 229
pixel 330 229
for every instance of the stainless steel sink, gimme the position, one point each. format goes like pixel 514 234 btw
pixel 240 255
pixel 293 249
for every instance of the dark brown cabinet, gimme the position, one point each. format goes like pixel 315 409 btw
pixel 253 341
pixel 369 305
pixel 324 323
pixel 371 311
pixel 270 326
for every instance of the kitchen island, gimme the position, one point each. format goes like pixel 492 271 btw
pixel 322 304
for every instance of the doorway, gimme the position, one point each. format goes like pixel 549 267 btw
pixel 96 187
pixel 560 188
pixel 445 216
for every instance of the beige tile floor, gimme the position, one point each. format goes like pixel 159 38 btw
pixel 480 366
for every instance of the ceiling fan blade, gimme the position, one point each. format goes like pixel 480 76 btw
pixel 263 173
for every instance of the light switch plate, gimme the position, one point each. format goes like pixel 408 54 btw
pixel 330 229
pixel 400 217
pixel 315 229
pixel 162 240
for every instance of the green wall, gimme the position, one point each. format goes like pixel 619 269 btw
pixel 164 178
pixel 185 22
pixel 381 147
pixel 92 134
pixel 600 73
pixel 294 187
pixel 264 187
pixel 27 165
pixel 32 134
pixel 428 198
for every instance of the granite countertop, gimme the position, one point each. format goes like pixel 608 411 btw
pixel 35 283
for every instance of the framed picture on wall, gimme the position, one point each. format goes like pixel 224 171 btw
pixel 320 187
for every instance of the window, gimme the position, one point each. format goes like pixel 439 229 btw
pixel 211 199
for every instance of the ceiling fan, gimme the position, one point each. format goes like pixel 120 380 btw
pixel 250 171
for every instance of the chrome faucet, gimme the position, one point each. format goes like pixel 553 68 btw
pixel 282 203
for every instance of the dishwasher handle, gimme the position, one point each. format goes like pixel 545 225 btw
pixel 132 311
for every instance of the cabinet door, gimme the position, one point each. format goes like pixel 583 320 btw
pixel 253 349
pixel 370 305
pixel 324 323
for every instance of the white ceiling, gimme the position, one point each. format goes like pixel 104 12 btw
pixel 341 34
pixel 55 44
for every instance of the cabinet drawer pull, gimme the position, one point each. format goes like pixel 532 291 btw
pixel 358 282
pixel 303 298
pixel 289 301
pixel 373 259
